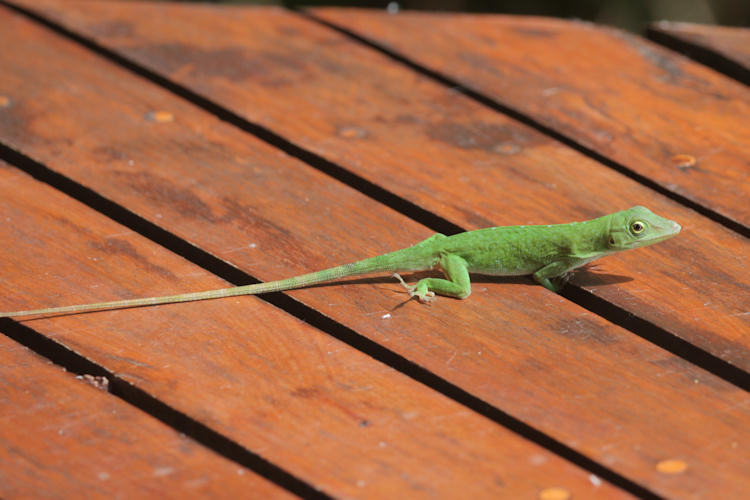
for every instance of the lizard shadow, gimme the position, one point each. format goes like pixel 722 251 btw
pixel 588 277
pixel 584 277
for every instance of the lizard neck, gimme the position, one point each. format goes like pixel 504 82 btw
pixel 590 239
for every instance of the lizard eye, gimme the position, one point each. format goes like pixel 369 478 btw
pixel 637 227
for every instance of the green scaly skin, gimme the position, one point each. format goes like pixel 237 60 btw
pixel 548 253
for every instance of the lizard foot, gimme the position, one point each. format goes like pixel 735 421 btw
pixel 423 296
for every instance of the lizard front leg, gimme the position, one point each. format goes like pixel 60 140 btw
pixel 553 276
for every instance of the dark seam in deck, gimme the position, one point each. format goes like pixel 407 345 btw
pixel 700 54
pixel 529 121
pixel 180 422
pixel 658 336
pixel 236 276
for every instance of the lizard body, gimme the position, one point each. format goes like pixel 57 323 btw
pixel 547 252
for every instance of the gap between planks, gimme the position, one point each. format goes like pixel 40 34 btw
pixel 700 54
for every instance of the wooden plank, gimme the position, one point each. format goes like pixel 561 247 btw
pixel 724 48
pixel 440 150
pixel 520 348
pixel 274 384
pixel 62 438
pixel 626 100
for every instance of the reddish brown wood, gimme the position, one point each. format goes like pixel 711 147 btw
pixel 585 382
pixel 445 152
pixel 730 42
pixel 61 438
pixel 327 413
pixel 615 93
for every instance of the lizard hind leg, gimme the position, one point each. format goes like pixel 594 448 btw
pixel 457 285
pixel 423 295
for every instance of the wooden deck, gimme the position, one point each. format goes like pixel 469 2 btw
pixel 151 149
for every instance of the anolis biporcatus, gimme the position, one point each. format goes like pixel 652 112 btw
pixel 549 253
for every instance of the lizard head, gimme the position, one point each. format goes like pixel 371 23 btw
pixel 638 227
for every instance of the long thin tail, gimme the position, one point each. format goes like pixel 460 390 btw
pixel 375 264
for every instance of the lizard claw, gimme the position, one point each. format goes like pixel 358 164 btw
pixel 424 297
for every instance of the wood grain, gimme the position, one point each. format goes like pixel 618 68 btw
pixel 440 150
pixel 533 354
pixel 612 92
pixel 62 438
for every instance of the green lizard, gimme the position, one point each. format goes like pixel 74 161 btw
pixel 549 253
